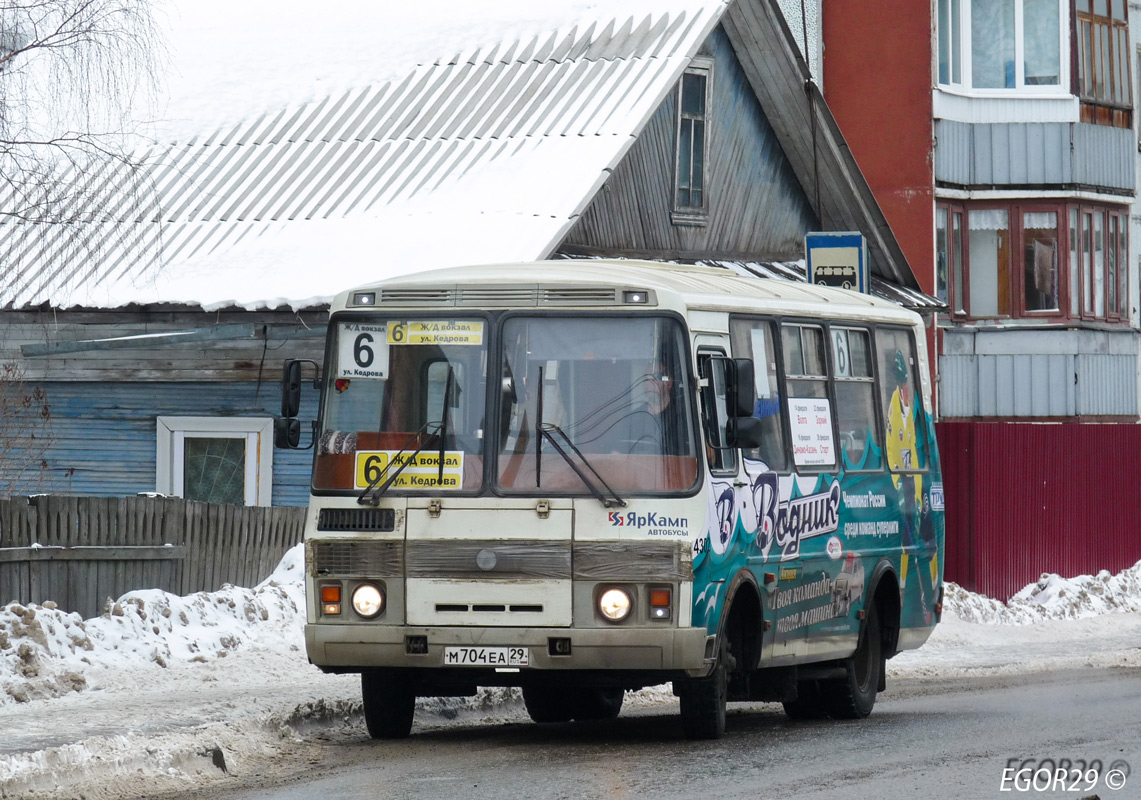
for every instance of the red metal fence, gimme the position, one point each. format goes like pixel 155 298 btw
pixel 1026 498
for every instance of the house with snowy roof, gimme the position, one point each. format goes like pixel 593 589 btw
pixel 328 153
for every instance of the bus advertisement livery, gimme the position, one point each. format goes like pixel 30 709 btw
pixel 587 477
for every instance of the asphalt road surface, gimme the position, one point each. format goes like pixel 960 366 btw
pixel 926 740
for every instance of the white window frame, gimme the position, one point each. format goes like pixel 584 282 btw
pixel 1019 90
pixel 171 453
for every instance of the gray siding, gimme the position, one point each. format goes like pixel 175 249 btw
pixel 1038 374
pixel 756 205
pixel 272 337
pixel 1034 153
pixel 104 436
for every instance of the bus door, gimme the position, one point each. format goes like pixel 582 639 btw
pixel 717 556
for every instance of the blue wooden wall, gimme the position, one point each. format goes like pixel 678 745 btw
pixel 104 437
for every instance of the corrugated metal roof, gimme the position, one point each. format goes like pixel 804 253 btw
pixel 524 127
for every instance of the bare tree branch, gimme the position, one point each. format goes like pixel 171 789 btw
pixel 73 74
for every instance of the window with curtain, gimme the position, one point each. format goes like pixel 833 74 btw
pixel 1040 260
pixel 1064 261
pixel 988 239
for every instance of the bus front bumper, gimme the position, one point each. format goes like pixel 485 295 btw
pixel 351 648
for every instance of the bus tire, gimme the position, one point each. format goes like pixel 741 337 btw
pixel 389 704
pixel 601 703
pixel 703 699
pixel 547 705
pixel 853 696
pixel 808 703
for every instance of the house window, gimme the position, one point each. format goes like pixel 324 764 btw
pixel 1040 260
pixel 950 23
pixel 1102 36
pixel 988 240
pixel 215 459
pixel 690 197
pixel 1032 259
pixel 1001 44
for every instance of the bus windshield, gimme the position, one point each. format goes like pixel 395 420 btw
pixel 614 387
pixel 385 393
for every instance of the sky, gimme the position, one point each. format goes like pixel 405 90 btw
pixel 139 700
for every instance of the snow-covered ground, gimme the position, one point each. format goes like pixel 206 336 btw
pixel 163 693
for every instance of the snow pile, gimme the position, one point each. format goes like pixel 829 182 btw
pixel 46 652
pixel 1052 597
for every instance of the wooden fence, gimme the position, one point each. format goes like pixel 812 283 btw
pixel 79 551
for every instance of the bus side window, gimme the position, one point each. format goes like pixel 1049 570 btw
pixel 711 367
pixel 855 399
pixel 756 340
pixel 810 412
pixel 904 444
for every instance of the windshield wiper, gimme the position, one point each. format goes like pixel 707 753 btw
pixel 443 432
pixel 543 431
pixel 380 488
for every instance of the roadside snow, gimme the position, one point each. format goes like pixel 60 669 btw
pixel 165 693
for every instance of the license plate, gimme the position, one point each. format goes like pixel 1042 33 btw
pixel 485 656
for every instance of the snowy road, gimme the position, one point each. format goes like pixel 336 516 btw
pixel 924 737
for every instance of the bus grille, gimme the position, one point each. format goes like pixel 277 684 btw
pixel 356 519
pixel 475 559
pixel 490 296
pixel 366 559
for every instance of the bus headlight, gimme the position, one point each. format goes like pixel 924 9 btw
pixel 368 600
pixel 614 604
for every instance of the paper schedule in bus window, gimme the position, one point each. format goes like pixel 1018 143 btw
pixel 810 420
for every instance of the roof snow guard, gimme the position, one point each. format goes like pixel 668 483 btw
pixel 797 271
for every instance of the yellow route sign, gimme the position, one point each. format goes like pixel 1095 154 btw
pixel 421 473
pixel 436 331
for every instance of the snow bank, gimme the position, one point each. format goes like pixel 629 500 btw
pixel 46 652
pixel 1052 597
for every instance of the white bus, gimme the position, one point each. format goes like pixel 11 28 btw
pixel 587 477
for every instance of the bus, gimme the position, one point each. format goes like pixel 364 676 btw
pixel 586 477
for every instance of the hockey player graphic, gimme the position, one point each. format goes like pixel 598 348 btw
pixel 902 457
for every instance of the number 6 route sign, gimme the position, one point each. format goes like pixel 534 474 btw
pixel 362 351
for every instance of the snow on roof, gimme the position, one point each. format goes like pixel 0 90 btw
pixel 299 153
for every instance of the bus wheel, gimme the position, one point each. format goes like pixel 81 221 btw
pixel 389 704
pixel 600 703
pixel 808 703
pixel 703 699
pixel 546 704
pixel 853 696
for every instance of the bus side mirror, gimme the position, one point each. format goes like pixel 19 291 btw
pixel 286 433
pixel 291 388
pixel 744 432
pixel 741 388
pixel 287 428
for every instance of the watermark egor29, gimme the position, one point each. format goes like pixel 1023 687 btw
pixel 1062 775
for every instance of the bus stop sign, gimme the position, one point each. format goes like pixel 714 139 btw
pixel 837 259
